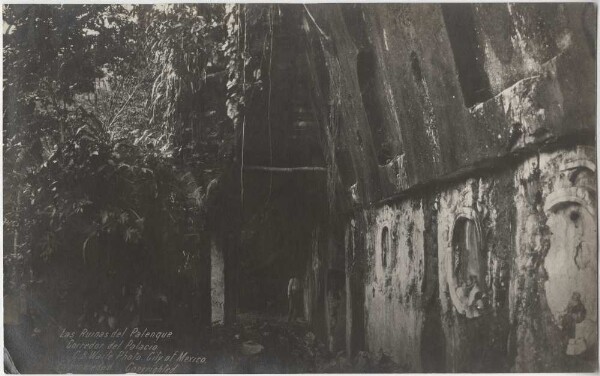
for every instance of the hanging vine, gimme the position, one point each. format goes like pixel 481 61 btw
pixel 247 24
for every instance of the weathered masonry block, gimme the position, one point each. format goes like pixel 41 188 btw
pixel 461 152
pixel 554 289
pixel 516 270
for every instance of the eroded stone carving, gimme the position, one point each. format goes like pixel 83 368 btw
pixel 466 265
pixel 571 262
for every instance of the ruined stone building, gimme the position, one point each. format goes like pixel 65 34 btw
pixel 450 219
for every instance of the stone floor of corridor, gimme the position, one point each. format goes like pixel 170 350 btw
pixel 258 343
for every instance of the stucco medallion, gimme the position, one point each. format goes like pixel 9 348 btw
pixel 571 262
pixel 465 263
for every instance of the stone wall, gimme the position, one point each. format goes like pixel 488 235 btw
pixel 517 268
pixel 418 283
pixel 417 125
pixel 554 286
pixel 463 139
pixel 394 282
pixel 474 240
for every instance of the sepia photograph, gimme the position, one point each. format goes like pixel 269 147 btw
pixel 298 188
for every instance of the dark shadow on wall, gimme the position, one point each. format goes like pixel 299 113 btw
pixel 366 67
pixel 468 56
pixel 433 341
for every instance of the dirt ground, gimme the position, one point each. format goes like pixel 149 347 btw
pixel 269 344
pixel 256 343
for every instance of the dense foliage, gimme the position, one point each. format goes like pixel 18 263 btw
pixel 115 128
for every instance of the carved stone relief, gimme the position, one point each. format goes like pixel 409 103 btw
pixel 465 265
pixel 571 262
